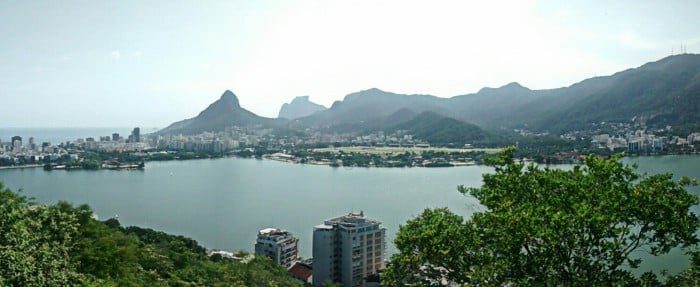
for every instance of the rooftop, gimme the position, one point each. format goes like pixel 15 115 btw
pixel 274 234
pixel 300 271
pixel 352 219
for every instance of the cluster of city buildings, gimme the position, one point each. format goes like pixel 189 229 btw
pixel 205 143
pixel 231 138
pixel 633 137
pixel 643 141
pixel 16 146
pixel 235 137
pixel 349 250
pixel 400 138
pixel 115 143
pixel 17 152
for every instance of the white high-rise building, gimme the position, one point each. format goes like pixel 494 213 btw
pixel 279 245
pixel 348 249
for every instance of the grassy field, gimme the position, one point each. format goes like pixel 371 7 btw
pixel 397 150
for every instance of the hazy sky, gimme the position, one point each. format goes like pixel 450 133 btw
pixel 149 63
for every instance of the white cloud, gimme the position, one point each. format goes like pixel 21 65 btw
pixel 116 54
pixel 137 54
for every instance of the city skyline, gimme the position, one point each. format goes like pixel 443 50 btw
pixel 125 65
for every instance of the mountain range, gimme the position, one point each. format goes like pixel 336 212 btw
pixel 664 92
pixel 299 107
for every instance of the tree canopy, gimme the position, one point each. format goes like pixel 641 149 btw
pixel 62 245
pixel 542 226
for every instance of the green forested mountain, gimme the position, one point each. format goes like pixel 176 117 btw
pixel 439 129
pixel 62 245
pixel 488 106
pixel 663 92
pixel 372 124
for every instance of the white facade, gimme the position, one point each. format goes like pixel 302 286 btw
pixel 278 245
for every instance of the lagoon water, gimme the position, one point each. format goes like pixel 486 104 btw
pixel 222 203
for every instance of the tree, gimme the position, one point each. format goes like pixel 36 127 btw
pixel 34 243
pixel 690 276
pixel 62 245
pixel 542 226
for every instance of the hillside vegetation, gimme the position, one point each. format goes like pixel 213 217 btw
pixel 438 129
pixel 62 245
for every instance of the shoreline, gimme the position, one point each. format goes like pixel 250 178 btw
pixel 329 164
pixel 21 166
pixel 460 164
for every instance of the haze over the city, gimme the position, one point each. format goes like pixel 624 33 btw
pixel 152 63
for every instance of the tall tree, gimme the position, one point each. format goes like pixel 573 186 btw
pixel 542 226
pixel 34 243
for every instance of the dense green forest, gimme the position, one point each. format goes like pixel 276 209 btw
pixel 62 245
pixel 438 129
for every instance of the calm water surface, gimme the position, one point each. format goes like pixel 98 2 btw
pixel 222 203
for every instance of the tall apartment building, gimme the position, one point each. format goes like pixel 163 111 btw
pixel 136 135
pixel 348 249
pixel 279 245
pixel 16 143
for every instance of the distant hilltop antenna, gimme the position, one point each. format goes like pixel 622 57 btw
pixel 683 50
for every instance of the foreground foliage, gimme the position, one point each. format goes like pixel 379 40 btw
pixel 62 245
pixel 581 227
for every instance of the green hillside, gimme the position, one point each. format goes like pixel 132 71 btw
pixel 438 129
pixel 666 92
pixel 62 245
